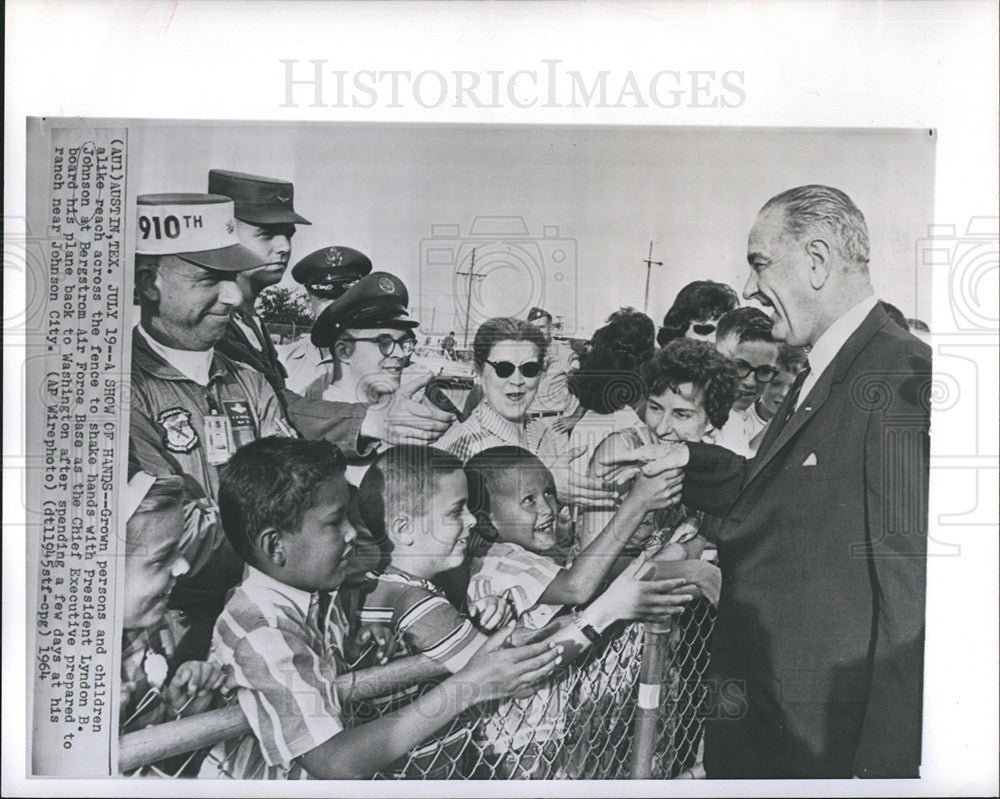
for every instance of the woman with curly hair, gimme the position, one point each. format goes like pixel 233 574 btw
pixel 687 390
pixel 696 311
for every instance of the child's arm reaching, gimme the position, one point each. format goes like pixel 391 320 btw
pixel 492 673
pixel 578 583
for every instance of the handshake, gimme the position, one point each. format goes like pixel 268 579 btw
pixel 651 460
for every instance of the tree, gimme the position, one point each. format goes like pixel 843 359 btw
pixel 283 306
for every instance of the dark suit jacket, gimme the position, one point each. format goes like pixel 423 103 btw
pixel 818 648
pixel 339 422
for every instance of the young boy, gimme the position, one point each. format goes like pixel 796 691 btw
pixel 155 687
pixel 791 361
pixel 513 496
pixel 285 508
pixel 744 335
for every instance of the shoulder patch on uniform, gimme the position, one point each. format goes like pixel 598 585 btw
pixel 180 435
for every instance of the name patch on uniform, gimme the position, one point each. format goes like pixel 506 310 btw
pixel 180 435
pixel 239 413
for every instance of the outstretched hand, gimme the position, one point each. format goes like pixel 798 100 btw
pixel 397 418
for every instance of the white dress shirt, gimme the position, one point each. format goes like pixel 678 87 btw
pixel 830 342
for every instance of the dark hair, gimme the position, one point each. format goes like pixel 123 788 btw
pixel 745 324
pixel 805 207
pixel 401 482
pixel 271 482
pixel 504 328
pixel 481 471
pixel 792 358
pixel 608 377
pixel 698 362
pixel 895 314
pixel 702 299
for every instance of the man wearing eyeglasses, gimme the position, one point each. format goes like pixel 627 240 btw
pixel 744 335
pixel 367 338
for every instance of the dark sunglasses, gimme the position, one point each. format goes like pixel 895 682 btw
pixel 762 374
pixel 505 368
pixel 387 344
pixel 703 328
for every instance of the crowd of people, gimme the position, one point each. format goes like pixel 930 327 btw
pixel 300 512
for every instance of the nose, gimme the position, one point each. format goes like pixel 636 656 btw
pixel 664 428
pixel 468 520
pixel 281 244
pixel 230 293
pixel 350 533
pixel 750 288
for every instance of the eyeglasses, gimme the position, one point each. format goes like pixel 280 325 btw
pixel 762 374
pixel 703 328
pixel 387 344
pixel 505 368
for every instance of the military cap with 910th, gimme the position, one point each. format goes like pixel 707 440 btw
pixel 258 200
pixel 377 300
pixel 197 228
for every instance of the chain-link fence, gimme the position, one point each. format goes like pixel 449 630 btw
pixel 632 707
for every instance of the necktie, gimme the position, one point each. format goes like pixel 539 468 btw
pixel 793 396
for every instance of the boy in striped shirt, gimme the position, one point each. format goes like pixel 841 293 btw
pixel 289 513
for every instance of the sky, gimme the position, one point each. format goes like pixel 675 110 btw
pixel 559 216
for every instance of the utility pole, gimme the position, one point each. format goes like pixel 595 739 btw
pixel 471 274
pixel 650 263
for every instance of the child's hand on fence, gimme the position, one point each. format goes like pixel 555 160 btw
pixel 375 639
pixel 496 671
pixel 491 613
pixel 193 687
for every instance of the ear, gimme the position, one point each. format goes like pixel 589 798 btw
pixel 270 543
pixel 343 350
pixel 146 284
pixel 401 530
pixel 819 271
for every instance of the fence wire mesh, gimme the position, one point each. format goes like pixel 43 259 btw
pixel 580 724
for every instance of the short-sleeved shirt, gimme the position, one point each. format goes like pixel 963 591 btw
pixel 486 428
pixel 521 577
pixel 423 620
pixel 739 430
pixel 283 660
pixel 514 573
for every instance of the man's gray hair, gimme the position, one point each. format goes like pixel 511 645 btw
pixel 823 206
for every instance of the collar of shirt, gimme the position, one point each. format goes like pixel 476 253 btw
pixel 257 581
pixel 195 366
pixel 493 422
pixel 832 339
pixel 250 328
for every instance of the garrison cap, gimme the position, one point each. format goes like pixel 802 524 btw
pixel 198 228
pixel 330 271
pixel 258 200
pixel 377 300
pixel 538 313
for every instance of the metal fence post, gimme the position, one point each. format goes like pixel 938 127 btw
pixel 652 675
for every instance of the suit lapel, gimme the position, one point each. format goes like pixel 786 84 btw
pixel 820 392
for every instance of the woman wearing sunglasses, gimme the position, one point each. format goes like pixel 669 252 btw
pixel 508 355
pixel 696 311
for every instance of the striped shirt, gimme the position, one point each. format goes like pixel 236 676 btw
pixel 518 575
pixel 423 620
pixel 283 661
pixel 521 577
pixel 486 428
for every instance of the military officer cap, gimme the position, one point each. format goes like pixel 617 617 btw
pixel 377 300
pixel 538 313
pixel 327 273
pixel 197 228
pixel 258 200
